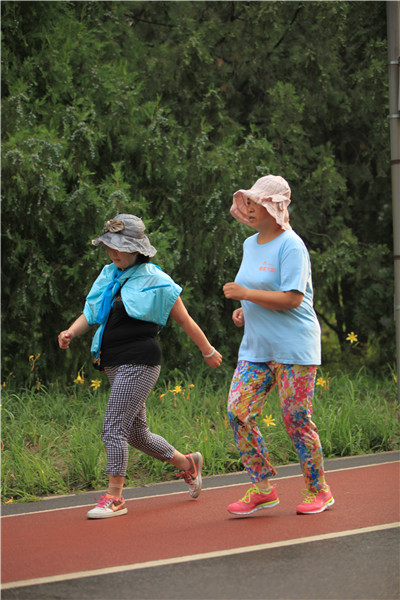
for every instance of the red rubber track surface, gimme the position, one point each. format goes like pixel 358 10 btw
pixel 62 541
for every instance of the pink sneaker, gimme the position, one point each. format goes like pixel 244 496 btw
pixel 254 499
pixel 315 502
pixel 108 506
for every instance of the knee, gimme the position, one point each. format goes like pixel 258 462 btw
pixel 138 438
pixel 238 418
pixel 299 425
pixel 109 436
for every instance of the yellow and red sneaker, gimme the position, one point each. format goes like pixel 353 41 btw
pixel 254 499
pixel 315 502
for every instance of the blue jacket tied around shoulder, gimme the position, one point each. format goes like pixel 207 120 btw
pixel 147 292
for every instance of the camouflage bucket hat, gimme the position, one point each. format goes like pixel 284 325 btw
pixel 125 233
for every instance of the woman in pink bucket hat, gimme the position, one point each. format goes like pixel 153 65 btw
pixel 281 346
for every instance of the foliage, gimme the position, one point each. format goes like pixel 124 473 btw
pixel 164 109
pixel 51 436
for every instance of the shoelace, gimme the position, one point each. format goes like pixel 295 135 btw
pixel 188 475
pixel 103 501
pixel 309 496
pixel 248 495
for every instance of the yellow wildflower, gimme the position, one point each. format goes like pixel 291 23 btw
pixel 80 379
pixel 177 389
pixel 323 382
pixel 95 383
pixel 352 338
pixel 269 421
pixel 33 359
pixel 162 396
pixel 10 501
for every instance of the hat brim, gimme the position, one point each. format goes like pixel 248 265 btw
pixel 122 243
pixel 276 206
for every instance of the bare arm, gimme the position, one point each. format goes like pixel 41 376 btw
pixel 78 327
pixel 182 317
pixel 272 300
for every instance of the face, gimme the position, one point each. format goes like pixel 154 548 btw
pixel 122 260
pixel 257 215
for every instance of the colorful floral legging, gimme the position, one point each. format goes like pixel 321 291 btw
pixel 251 384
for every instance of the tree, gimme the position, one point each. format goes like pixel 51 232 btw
pixel 164 109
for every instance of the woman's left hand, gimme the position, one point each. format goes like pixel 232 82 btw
pixel 234 291
pixel 215 360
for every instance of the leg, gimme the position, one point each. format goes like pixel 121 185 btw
pixel 251 383
pixel 190 465
pixel 130 386
pixel 296 391
pixel 140 437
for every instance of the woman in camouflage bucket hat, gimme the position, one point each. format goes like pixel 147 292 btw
pixel 131 300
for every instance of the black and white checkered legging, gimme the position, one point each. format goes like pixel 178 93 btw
pixel 125 417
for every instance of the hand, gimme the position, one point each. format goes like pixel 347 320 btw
pixel 64 339
pixel 234 291
pixel 237 317
pixel 215 360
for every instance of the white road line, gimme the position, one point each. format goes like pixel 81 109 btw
pixel 205 555
pixel 218 487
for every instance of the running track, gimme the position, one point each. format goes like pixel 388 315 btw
pixel 49 546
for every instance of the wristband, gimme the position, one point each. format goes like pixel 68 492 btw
pixel 211 353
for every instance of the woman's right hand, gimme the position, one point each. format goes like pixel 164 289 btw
pixel 64 339
pixel 237 317
pixel 79 327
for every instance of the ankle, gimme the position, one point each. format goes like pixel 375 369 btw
pixel 115 490
pixel 190 465
pixel 263 486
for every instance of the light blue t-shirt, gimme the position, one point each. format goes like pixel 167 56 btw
pixel 285 336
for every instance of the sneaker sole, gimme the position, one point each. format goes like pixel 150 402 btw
pixel 196 494
pixel 117 513
pixel 260 507
pixel 330 502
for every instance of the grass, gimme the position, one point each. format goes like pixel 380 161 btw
pixel 51 437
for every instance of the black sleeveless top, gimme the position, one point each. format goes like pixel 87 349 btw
pixel 127 340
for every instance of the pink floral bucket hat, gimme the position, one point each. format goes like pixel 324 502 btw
pixel 272 192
